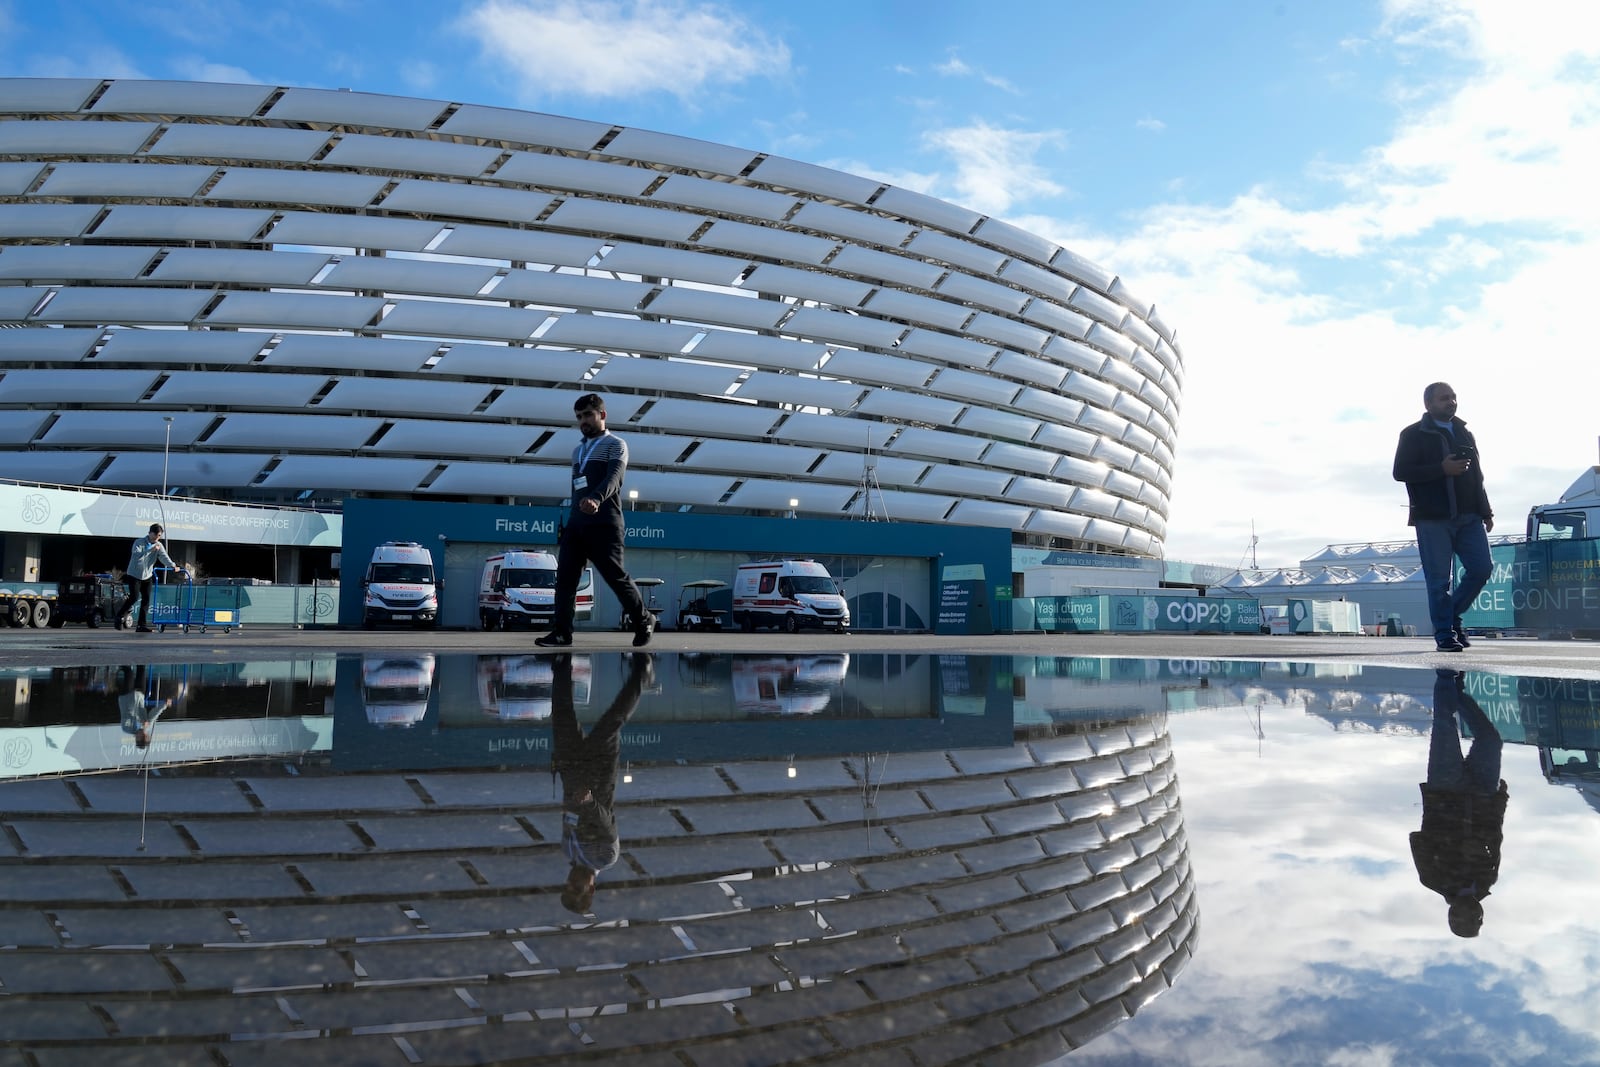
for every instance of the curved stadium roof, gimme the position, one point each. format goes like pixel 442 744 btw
pixel 345 292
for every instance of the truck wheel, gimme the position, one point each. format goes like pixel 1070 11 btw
pixel 19 613
pixel 791 624
pixel 747 623
pixel 94 619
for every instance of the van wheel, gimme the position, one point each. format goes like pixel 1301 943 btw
pixel 367 623
pixel 487 619
pixel 747 623
pixel 791 624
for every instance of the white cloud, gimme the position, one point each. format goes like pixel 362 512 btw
pixel 200 70
pixel 995 167
pixel 1152 125
pixel 956 67
pixel 620 48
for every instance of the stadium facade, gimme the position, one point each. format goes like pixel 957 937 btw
pixel 265 294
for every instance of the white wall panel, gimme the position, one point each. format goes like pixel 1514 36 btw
pixel 838 221
pixel 922 208
pixel 696 416
pixel 225 388
pixel 197 470
pixel 724 198
pixel 466 201
pixel 968 386
pixel 891 471
pixel 1008 332
pixel 998 424
pixel 889 404
pixel 124 179
pixel 601 331
pixel 344 108
pixel 68 262
pixel 53 137
pixel 808 177
pixel 1013 457
pixel 524 127
pixel 1058 319
pixel 181 346
pixel 1038 371
pixel 624 220
pixel 517 362
pixel 797 391
pixel 677 263
pixel 917 441
pixel 422 276
pixel 380 473
pixel 718 309
pixel 913 307
pixel 52 387
pixel 977 291
pixel 579 175
pixel 747 457
pixel 769 495
pixel 43 345
pixel 747 349
pixel 1058 524
pixel 47 95
pixel 1041 491
pixel 915 507
pixel 18 178
pixel 1082 471
pixel 298 186
pixel 109 304
pixel 411 154
pixel 335 352
pixel 704 490
pixel 240 265
pixel 948 347
pixel 807 285
pixel 1069 262
pixel 137 221
pixel 1014 239
pixel 965 481
pixel 553 407
pixel 59 468
pixel 644 449
pixel 1051 405
pixel 1063 438
pixel 580 292
pixel 678 151
pixel 676 376
pixel 874 265
pixel 246 429
pixel 16 301
pixel 308 310
pixel 46 220
pixel 405 395
pixel 354 231
pixel 433 437
pixel 838 326
pixel 259 143
pixel 135 97
pixel 519 246
pixel 768 243
pixel 502 479
pixel 989 513
pixel 21 427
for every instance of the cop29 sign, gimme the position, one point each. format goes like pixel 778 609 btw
pixel 1551 586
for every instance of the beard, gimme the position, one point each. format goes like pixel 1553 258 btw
pixel 590 431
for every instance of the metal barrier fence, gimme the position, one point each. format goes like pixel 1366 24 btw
pixel 228 606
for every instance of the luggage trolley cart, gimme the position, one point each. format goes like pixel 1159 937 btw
pixel 184 612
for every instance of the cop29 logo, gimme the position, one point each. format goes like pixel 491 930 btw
pixel 35 509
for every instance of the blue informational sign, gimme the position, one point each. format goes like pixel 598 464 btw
pixel 1551 586
pixel 1136 613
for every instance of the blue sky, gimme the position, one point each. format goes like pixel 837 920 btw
pixel 1333 204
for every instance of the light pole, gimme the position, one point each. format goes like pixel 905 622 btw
pixel 793 503
pixel 633 496
pixel 166 451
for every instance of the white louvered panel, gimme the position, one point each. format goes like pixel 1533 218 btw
pixel 413 155
pixel 965 287
pixel 1082 472
pixel 685 152
pixel 553 407
pixel 1040 491
pixel 965 481
pixel 673 376
pixel 1014 239
pixel 1093 502
pixel 939 444
pixel 808 177
pixel 233 389
pixel 131 305
pixel 624 220
pixel 398 395
pixel 1008 332
pixel 1092 389
pixel 797 391
pixel 922 208
pixel 646 449
pixel 1112 341
pixel 1058 524
pixel 73 262
pixel 442 318
pixel 1159 325
pixel 306 310
pixel 630 335
pixel 772 495
pixel 262 185
pixel 124 179
pixel 112 428
pixel 695 416
pixel 180 346
pixel 838 221
pixel 745 457
pixel 948 347
pixel 187 140
pixel 334 352
pixel 988 513
pixel 678 487
pixel 812 429
pixel 59 468
pixel 321 230
pixel 1150 474
pixel 1062 438
pixel 676 263
pixel 1141 333
pixel 345 108
pixel 870 368
pixel 998 424
pixel 43 345
pixel 130 96
pixel 536 480
pixel 717 309
pixel 1038 280
pixel 46 220
pixel 1172 361
pixel 1070 263
pixel 723 197
pixel 1103 422
pixel 913 307
pixel 1135 515
pixel 1141 439
pixel 767 242
pixel 891 404
pixel 66 137
pixel 953 250
pixel 1122 374
pixel 525 127
pixel 1096 306
pixel 1148 366
pixel 154 222
pixel 54 386
pixel 746 349
pixel 1143 543
pixel 516 362
pixel 381 474
pixel 578 291
pixel 27 96
pixel 891 471
pixel 21 427
pixel 1120 292
pixel 912 506
pixel 1058 319
pixel 244 429
pixel 1013 457
pixel 519 246
pixel 239 265
pixel 435 438
pixel 807 285
pixel 965 385
pixel 1107 532
pixel 466 201
pixel 16 301
pixel 1074 354
pixel 204 470
pixel 1114 453
pixel 884 266
pixel 838 326
pixel 578 175
pixel 399 275
pixel 1038 371
pixel 1123 484
pixel 18 178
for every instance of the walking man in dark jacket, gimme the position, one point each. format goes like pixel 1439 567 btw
pixel 1437 458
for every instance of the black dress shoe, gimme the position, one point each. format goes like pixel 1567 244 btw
pixel 1461 639
pixel 1447 644
pixel 144 630
pixel 553 640
pixel 642 631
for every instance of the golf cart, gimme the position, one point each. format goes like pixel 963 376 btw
pixel 647 589
pixel 694 609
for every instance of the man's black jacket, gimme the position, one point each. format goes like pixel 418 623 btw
pixel 1418 461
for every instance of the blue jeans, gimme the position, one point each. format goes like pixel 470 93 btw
pixel 1440 542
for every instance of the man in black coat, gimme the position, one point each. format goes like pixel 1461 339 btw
pixel 1437 458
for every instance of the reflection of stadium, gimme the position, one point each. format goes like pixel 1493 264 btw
pixel 334 292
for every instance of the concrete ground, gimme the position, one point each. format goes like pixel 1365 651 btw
pixel 79 646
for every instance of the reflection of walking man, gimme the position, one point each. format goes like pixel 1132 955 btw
pixel 147 552
pixel 134 706
pixel 1457 851
pixel 588 769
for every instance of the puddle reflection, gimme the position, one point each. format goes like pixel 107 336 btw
pixel 875 859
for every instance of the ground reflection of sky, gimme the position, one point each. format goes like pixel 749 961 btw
pixel 1318 944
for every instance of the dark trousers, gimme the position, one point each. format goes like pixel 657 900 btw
pixel 138 589
pixel 599 544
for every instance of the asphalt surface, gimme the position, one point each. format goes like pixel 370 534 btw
pixel 79 646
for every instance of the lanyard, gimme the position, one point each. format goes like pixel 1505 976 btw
pixel 584 452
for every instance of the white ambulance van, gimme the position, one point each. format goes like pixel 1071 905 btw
pixel 395 688
pixel 791 594
pixel 400 586
pixel 518 588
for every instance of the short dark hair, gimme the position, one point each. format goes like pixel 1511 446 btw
pixel 156 527
pixel 588 402
pixel 1427 394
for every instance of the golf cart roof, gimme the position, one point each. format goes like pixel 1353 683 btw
pixel 649 581
pixel 703 583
